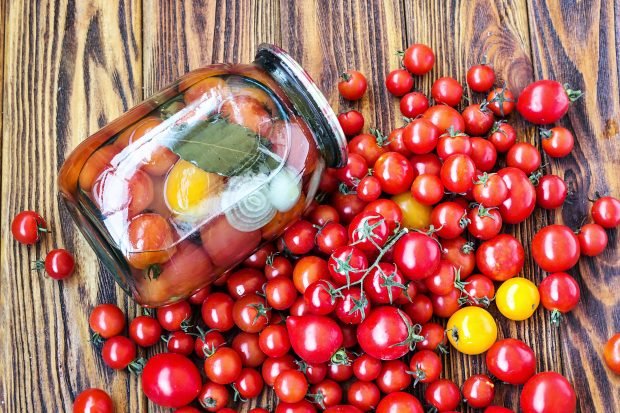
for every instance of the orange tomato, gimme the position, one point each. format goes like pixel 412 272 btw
pixel 281 220
pixel 226 245
pixel 150 240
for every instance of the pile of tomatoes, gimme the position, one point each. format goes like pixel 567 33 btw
pixel 400 260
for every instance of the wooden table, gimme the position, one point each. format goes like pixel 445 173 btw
pixel 70 66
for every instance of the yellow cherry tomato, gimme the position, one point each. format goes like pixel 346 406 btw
pixel 188 188
pixel 472 330
pixel 415 214
pixel 517 298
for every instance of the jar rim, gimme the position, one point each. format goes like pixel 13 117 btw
pixel 308 100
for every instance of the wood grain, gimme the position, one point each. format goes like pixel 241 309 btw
pixel 70 66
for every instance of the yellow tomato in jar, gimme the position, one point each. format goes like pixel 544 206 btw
pixel 517 298
pixel 415 214
pixel 188 188
pixel 472 330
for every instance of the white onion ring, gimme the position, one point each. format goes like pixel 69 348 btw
pixel 246 202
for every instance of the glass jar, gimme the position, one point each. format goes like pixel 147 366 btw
pixel 190 182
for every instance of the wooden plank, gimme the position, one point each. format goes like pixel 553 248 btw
pixel 462 33
pixel 70 67
pixel 182 36
pixel 577 43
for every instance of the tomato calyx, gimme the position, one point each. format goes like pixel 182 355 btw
pixel 38 265
pixel 345 76
pixel 483 179
pixel 261 311
pixel 464 221
pixel 237 397
pixel 96 339
pixel 345 190
pixel 453 133
pixel 556 317
pixel 152 272
pixel 380 138
pixel 535 177
pixel 484 212
pixel 545 133
pixel 500 98
pixel 317 398
pixel 418 375
pixel 340 358
pixel 208 402
pixel 136 366
pixel 573 94
pixel 366 231
pixel 387 281
pixel 413 333
pixel 497 127
pixel 359 305
pixel 468 247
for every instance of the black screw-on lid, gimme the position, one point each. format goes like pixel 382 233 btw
pixel 308 101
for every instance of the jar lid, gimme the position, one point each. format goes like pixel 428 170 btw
pixel 307 100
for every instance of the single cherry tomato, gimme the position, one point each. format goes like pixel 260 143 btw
pixel 93 400
pixel 484 223
pixel 418 59
pixel 472 330
pixel 400 402
pixel 320 297
pixel 557 142
pixel 341 371
pixel 352 307
pixel 251 314
pixel 245 281
pixel 217 312
pixel 326 393
pixel 483 153
pixel 449 219
pixel 27 227
pixel 478 119
pixel 413 104
pixel 388 209
pixel 315 373
pixel 396 144
pixel 592 239
pixel 395 172
pixel 394 376
pixel 453 142
pixel 399 82
pixel 107 320
pixel 170 380
pixel 606 212
pixel 502 136
pixel 308 270
pixel 490 190
pixel 443 395
pixel 428 163
pixel 548 392
pixel 207 342
pixel 347 265
pixel 351 122
pixel 274 341
pixel 347 205
pixel 479 290
pixel 272 367
pixel 517 298
pixel 364 395
pixel 545 101
pixel 384 283
pixel 386 333
pixel 280 293
pixel 501 101
pixel 118 352
pixel 521 196
pixel 559 293
pixel 322 214
pixel 446 305
pixel 427 189
pixel 145 331
pixel 291 386
pixel 447 90
pixel 445 117
pixel 480 78
pixel 500 258
pixel 478 391
pixel 369 189
pixel 368 231
pixel 420 309
pixel 213 397
pixel 366 367
pixel 277 266
pixel 370 148
pixel 524 156
pixel 299 237
pixel 353 85
pixel 59 264
pixel 611 353
pixel 417 255
pixel 171 317
pixel 331 237
pixel 180 342
pixel 434 337
pixel 457 173
pixel 420 136
pixel 314 338
pixel 460 253
pixel 259 258
pixel 223 366
pixel 425 366
pixel 511 361
pixel 555 248
pixel 551 191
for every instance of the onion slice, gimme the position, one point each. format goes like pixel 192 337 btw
pixel 246 203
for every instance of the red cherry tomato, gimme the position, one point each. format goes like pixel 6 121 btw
pixel 93 400
pixel 367 231
pixel 478 119
pixel 59 264
pixel 385 333
pixel 400 402
pixel 460 253
pixel 314 338
pixel 347 265
pixel 347 205
pixel 245 281
pixel 457 173
pixel 511 361
pixel 217 312
pixel 299 237
pixel 291 386
pixel 427 189
pixel 479 290
pixel 399 82
pixel 364 395
pixel 501 101
pixel 278 266
pixel 611 353
pixel 27 227
pixel 145 331
pixel 555 248
pixel 427 163
pixel 417 255
pixel 451 143
pixel 425 366
pixel 180 342
pixel 502 136
pixel 559 293
pixel 606 212
pixel 369 189
pixel 223 366
pixel 445 117
pixel 274 341
pixel 545 101
pixel 548 392
pixel 551 192
pixel 107 320
pixel 524 156
pixel 443 394
pixel 395 173
pixel 446 305
pixel 370 147
pixel 308 270
pixel 352 307
pixel 480 78
pixel 447 90
pixel 326 393
pixel 521 196
pixel 352 85
pixel 351 122
pixel 247 346
pixel 434 337
pixel 420 309
pixel 413 104
pixel 418 59
pixel 396 144
pixel 172 316
pixel 484 223
pixel 557 142
pixel 478 391
pixel 213 397
pixel 251 313
pixel 331 237
pixel 420 136
pixel 394 376
pixel 272 367
pixel 170 380
pixel 500 258
pixel 483 153
pixel 490 190
pixel 592 239
pixel 449 219
pixel 366 367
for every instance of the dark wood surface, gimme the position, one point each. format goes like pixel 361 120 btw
pixel 70 66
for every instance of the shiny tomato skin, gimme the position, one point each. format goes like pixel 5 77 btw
pixel 368 147
pixel 217 312
pixel 417 255
pixel 394 171
pixel 501 101
pixel 145 331
pixel 273 366
pixel 400 402
pixel 384 283
pixel 367 231
pixel 107 320
pixel 611 353
pixel 347 205
pixel 291 386
pixel 384 332
pixel 420 136
pixel 557 142
pixel 394 376
pixel 347 265
pixel 27 227
pixel 426 366
pixel 170 380
pixel 329 391
pixel 555 248
pixel 418 59
pixel 299 237
pixel 449 219
pixel 258 259
pixel 352 307
pixel 543 102
pixel 451 143
pixel 396 144
pixel 427 189
pixel 364 395
pixel 213 397
pixel 369 189
pixel 428 163
pixel 420 309
pixel 490 190
pixel 521 196
pixel 457 173
pixel 180 342
pixel 606 212
pixel 502 136
pixel 387 208
pixel 548 392
pixel 351 122
pixel 303 406
pixel 352 85
pixel 366 367
pixel 500 258
pixel 245 281
pixel 331 237
pixel 314 338
pixel 446 305
pixel 483 153
pixel 484 223
pixel 223 366
pixel 551 192
pixel 280 293
pixel 478 391
pixel 399 82
pixel 480 78
pixel 93 400
pixel 434 336
pixel 247 345
pixel 559 292
pixel 479 290
pixel 478 120
pixel 511 361
pixel 443 394
pixel 308 270
pixel 205 344
pixel 447 90
pixel 413 104
pixel 460 253
pixel 274 341
pixel 592 239
pixel 524 156
pixel 445 117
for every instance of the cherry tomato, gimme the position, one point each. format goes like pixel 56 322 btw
pixel 347 265
pixel 326 393
pixel 425 366
pixel 490 190
pixel 107 320
pixel 480 78
pixel 393 377
pixel 303 406
pixel 27 227
pixel 315 373
pixel 502 136
pixel 420 136
pixel 353 85
pixel 453 142
pixel 551 191
pixel 364 395
pixel 217 312
pixel 557 142
pixel 248 347
pixel 352 307
pixel 524 156
pixel 299 237
pixel 555 248
pixel 457 173
pixel 548 392
pixel 368 231
pixel 447 90
pixel 399 82
pixel 280 293
pixel 420 309
pixel 396 144
pixel 308 270
pixel 517 298
pixel 511 361
pixel 443 395
pixel 351 122
pixel 449 219
pixel 93 400
pixel 145 331
pixel 417 255
pixel 384 283
pixel 445 117
pixel 472 330
pixel 291 386
pixel 483 153
pixel 545 101
pixel 521 196
pixel 386 333
pixel 170 380
pixel 251 314
pixel 366 367
pixel 213 397
pixel 484 223
pixel 314 338
pixel 347 205
pixel 320 297
pixel 427 189
pixel 460 253
pixel 478 391
pixel 501 101
pixel 388 209
pixel 606 212
pixel 370 148
pixel 559 293
pixel 611 353
pixel 341 372
pixel 446 305
pixel 418 59
pixel 207 342
pixel 223 366
pixel 114 192
pixel 414 214
pixel 245 281
pixel 434 337
pixel 413 105
pixel 272 367
pixel 394 171
pixel 274 341
pixel 180 342
pixel 172 316
pixel 592 239
pixel 299 307
pixel 369 189
pixel 400 402
pixel 426 164
pixel 500 258
pixel 59 264
pixel 331 237
pixel 478 119
pixel 199 296
pixel 479 290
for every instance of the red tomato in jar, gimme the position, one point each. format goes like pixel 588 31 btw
pixel 521 196
pixel 511 361
pixel 227 245
pixel 545 101
pixel 548 392
pixel 417 255
pixel 555 248
pixel 445 117
pixel 114 192
pixel 395 173
pixel 385 333
pixel 500 258
pixel 170 380
pixel 413 104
